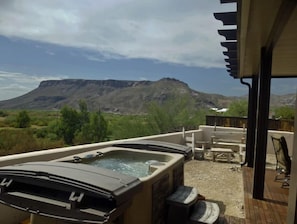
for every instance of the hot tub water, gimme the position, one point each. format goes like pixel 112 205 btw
pixel 137 167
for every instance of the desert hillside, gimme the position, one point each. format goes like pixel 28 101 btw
pixel 119 96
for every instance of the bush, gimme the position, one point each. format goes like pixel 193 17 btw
pixel 129 126
pixel 23 120
pixel 41 133
pixel 173 115
pixel 3 113
pixel 14 141
pixel 238 108
pixel 17 141
pixel 285 112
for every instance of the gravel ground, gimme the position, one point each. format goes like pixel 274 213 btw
pixel 220 182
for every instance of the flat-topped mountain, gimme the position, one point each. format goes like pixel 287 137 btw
pixel 115 96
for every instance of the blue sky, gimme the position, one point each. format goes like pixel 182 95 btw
pixel 115 39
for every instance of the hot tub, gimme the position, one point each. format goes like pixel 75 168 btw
pixel 111 185
pixel 159 172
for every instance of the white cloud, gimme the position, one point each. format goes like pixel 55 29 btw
pixel 93 58
pixel 17 84
pixel 50 53
pixel 169 30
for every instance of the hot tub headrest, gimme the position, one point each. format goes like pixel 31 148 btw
pixel 157 146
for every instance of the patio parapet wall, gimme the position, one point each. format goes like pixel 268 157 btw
pixel 208 131
pixel 204 133
pixel 10 215
pixel 51 154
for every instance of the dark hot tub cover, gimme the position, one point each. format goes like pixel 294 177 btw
pixel 160 146
pixel 67 191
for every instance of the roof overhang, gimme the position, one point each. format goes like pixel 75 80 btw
pixel 267 23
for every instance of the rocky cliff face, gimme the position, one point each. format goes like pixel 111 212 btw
pixel 110 95
pixel 83 83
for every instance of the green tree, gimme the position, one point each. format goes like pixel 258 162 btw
pixel 184 113
pixel 173 115
pixel 98 127
pixel 92 126
pixel 54 130
pixel 3 113
pixel 160 118
pixel 83 126
pixel 83 134
pixel 84 116
pixel 23 119
pixel 285 112
pixel 130 126
pixel 238 108
pixel 69 124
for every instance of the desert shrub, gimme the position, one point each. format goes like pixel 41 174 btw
pixel 17 141
pixel 10 121
pixel 23 119
pixel 42 123
pixel 41 132
pixel 3 123
pixel 3 113
pixel 238 108
pixel 173 115
pixel 54 131
pixel 285 112
pixel 14 141
pixel 53 137
pixel 47 143
pixel 129 126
